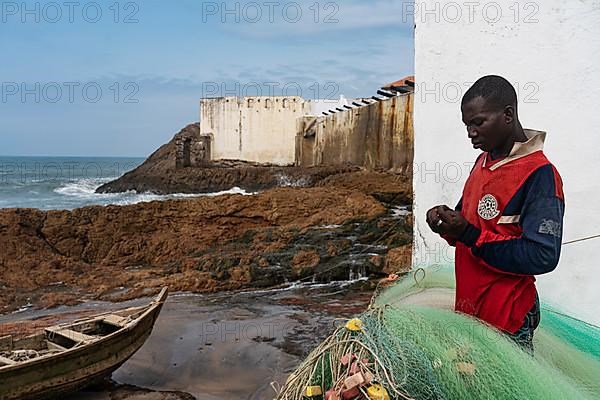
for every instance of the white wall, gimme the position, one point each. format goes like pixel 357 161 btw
pixel 258 129
pixel 552 56
pixel 319 106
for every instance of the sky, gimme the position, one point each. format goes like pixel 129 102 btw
pixel 109 78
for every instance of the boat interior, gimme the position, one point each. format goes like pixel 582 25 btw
pixel 60 338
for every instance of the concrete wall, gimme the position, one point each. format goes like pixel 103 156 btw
pixel 375 136
pixel 258 129
pixel 550 51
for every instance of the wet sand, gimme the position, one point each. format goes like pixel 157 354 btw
pixel 230 346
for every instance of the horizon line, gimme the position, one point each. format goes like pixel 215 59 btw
pixel 65 156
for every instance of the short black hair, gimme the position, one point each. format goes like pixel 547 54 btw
pixel 496 90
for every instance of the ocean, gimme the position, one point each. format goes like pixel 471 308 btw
pixel 66 183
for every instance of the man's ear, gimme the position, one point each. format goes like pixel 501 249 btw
pixel 509 114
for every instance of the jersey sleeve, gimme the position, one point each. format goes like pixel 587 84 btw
pixel 537 250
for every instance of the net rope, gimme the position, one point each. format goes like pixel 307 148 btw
pixel 409 344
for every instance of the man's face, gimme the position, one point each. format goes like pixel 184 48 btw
pixel 487 127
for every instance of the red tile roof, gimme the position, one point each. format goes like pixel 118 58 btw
pixel 406 81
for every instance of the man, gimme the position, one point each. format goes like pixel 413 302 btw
pixel 507 227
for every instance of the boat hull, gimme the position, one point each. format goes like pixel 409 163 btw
pixel 76 368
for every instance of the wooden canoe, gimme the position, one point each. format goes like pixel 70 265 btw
pixel 68 357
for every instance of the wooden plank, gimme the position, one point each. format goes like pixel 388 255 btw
pixel 7 361
pixel 115 320
pixel 33 342
pixel 54 346
pixel 73 335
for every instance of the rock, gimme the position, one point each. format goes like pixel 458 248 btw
pixel 241 275
pixel 200 245
pixel 48 300
pixel 305 262
pixel 263 262
pixel 389 188
pixel 376 260
pixel 332 249
pixel 398 259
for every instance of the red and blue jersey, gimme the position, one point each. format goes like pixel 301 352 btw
pixel 515 209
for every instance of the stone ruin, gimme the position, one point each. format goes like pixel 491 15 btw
pixel 191 148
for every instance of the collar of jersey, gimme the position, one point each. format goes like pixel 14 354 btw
pixel 535 142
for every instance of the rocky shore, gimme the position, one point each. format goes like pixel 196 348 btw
pixel 324 223
pixel 300 226
pixel 207 244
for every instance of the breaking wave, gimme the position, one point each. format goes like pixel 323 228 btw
pixel 82 188
pixel 26 183
pixel 85 191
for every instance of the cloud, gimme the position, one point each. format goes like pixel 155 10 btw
pixel 309 18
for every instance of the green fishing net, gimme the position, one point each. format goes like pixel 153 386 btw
pixel 409 344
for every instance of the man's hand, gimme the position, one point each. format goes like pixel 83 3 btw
pixel 445 221
pixel 434 219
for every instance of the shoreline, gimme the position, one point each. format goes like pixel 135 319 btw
pixel 199 340
pixel 207 244
pixel 257 281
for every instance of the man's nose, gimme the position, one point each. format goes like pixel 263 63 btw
pixel 472 132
